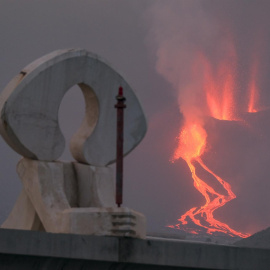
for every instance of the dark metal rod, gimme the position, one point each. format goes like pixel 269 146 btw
pixel 120 106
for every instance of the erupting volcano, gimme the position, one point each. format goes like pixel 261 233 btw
pixel 219 88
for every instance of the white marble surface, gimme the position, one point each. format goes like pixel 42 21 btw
pixel 23 215
pixel 29 109
pixel 71 198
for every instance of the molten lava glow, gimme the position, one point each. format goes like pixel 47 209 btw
pixel 191 146
pixel 253 89
pixel 219 87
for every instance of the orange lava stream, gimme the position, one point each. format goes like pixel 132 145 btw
pixel 253 90
pixel 192 142
pixel 219 87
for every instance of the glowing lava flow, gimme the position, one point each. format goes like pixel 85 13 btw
pixel 218 86
pixel 253 90
pixel 192 142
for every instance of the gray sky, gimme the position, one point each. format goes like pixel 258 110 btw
pixel 152 43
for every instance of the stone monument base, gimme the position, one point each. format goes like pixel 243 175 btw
pixel 73 198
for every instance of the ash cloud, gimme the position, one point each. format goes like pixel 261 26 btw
pixel 181 29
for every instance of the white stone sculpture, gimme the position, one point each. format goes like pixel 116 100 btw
pixel 76 197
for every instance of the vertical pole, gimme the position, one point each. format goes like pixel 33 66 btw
pixel 120 106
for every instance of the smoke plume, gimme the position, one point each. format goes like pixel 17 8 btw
pixel 214 55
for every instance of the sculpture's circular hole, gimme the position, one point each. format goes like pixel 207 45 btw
pixel 70 116
pixel 77 115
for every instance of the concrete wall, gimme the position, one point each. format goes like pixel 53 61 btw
pixel 40 250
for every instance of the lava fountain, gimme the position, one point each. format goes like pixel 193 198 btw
pixel 219 87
